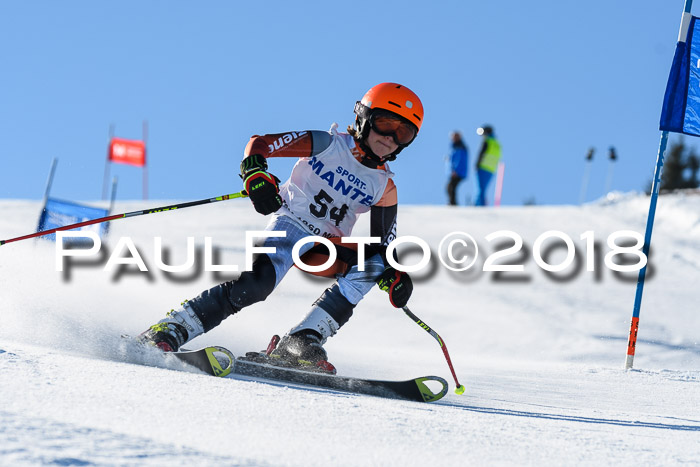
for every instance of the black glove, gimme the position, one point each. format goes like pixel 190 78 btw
pixel 262 187
pixel 397 284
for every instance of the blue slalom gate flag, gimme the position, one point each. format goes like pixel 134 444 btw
pixel 680 114
pixel 58 213
pixel 681 109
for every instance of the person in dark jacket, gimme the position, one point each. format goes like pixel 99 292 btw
pixel 456 166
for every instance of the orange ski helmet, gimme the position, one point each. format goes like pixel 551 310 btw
pixel 391 97
pixel 395 98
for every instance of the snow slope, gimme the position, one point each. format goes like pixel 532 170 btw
pixel 541 358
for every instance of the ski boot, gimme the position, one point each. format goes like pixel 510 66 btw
pixel 301 350
pixel 166 336
pixel 178 327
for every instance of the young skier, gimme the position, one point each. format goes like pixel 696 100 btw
pixel 338 176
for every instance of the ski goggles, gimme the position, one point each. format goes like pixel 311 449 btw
pixel 389 124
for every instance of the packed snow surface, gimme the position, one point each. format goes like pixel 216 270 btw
pixel 540 354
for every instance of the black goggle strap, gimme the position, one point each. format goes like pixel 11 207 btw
pixel 362 110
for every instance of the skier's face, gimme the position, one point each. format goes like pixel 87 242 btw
pixel 382 146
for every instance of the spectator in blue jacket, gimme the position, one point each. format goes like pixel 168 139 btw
pixel 456 166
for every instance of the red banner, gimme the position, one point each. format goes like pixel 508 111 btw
pixel 127 151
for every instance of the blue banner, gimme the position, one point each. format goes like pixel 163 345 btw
pixel 681 109
pixel 58 213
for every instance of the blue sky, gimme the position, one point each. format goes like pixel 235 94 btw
pixel 553 78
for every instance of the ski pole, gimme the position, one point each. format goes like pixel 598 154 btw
pixel 172 207
pixel 421 323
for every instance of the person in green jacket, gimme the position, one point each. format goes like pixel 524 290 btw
pixel 487 163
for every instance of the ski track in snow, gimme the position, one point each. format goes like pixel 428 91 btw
pixel 541 360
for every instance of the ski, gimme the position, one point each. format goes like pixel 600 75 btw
pixel 220 362
pixel 213 360
pixel 414 389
